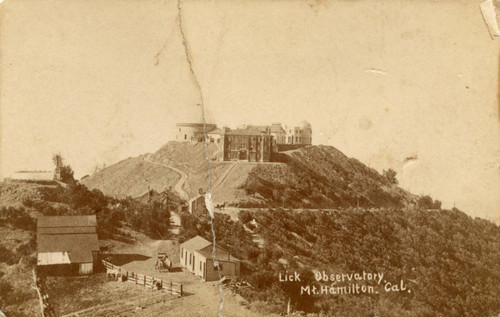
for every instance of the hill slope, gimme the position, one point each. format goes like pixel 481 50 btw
pixel 312 177
pixel 434 263
pixel 131 177
pixel 323 177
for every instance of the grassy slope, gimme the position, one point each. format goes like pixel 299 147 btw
pixel 131 177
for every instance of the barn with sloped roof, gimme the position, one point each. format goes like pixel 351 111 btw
pixel 67 244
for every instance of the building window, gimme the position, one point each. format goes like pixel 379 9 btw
pixel 185 136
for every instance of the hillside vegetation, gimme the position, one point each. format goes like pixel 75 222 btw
pixel 18 230
pixel 449 262
pixel 312 177
pixel 322 177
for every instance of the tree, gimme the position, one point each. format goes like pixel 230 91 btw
pixel 64 173
pixel 67 174
pixel 425 202
pixel 390 176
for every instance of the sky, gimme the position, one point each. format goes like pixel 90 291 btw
pixel 101 81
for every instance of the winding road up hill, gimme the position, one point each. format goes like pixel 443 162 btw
pixel 312 177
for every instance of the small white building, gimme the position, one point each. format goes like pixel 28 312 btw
pixel 196 255
pixel 33 175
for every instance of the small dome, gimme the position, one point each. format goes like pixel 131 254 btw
pixel 305 125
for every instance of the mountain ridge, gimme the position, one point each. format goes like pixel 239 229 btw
pixel 311 177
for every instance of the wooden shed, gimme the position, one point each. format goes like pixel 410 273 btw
pixel 67 244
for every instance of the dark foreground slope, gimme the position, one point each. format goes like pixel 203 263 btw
pixel 443 263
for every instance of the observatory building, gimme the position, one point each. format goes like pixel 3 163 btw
pixel 252 143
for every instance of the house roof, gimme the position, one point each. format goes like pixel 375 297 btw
pixel 216 131
pixel 79 246
pixel 221 254
pixel 75 235
pixel 66 221
pixel 66 230
pixel 277 129
pixel 245 132
pixel 84 256
pixel 196 243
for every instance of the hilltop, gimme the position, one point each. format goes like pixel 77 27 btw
pixel 311 177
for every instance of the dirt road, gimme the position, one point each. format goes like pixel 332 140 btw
pixel 179 187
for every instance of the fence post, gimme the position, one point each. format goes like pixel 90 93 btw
pixel 171 288
pixel 144 280
pixel 181 289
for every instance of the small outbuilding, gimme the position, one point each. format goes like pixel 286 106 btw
pixel 67 244
pixel 196 256
pixel 197 205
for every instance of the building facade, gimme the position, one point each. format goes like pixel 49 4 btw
pixel 252 143
pixel 299 135
pixel 247 145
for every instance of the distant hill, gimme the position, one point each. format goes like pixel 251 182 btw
pixel 312 177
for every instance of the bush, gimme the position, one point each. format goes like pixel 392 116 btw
pixel 245 216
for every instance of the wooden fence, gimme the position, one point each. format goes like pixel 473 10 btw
pixel 144 280
pixel 45 306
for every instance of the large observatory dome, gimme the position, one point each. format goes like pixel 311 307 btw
pixel 191 126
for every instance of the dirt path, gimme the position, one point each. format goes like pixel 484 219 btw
pixel 175 223
pixel 179 187
pixel 175 220
pixel 202 298
pixel 223 177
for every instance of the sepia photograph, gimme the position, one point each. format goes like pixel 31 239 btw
pixel 249 158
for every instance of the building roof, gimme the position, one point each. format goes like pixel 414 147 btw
pixel 216 131
pixel 196 243
pixel 221 254
pixel 66 230
pixel 33 175
pixel 66 221
pixel 277 128
pixel 79 246
pixel 245 132
pixel 75 235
